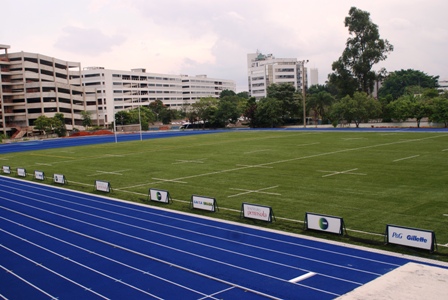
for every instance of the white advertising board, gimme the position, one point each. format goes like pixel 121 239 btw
pixel 159 195
pixel 324 223
pixel 59 178
pixel 39 175
pixel 259 212
pixel 103 186
pixel 204 203
pixel 412 237
pixel 6 170
pixel 21 172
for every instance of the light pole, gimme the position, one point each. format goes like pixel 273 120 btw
pixel 303 62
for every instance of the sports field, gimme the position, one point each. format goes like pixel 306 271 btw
pixel 370 179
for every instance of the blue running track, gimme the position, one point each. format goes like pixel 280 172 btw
pixel 61 244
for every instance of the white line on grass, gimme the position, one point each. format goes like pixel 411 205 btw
pixel 294 159
pixel 444 150
pixel 43 164
pixel 110 173
pixel 446 215
pixel 255 151
pixel 254 166
pixel 342 172
pixel 179 161
pixel 259 191
pixel 409 157
pixel 167 180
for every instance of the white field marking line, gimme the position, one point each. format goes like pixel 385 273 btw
pixel 210 226
pixel 296 158
pixel 180 161
pixel 256 151
pixel 446 215
pixel 111 173
pixel 43 164
pixel 50 270
pixel 303 277
pixel 342 172
pixel 102 256
pixel 4 158
pixel 159 180
pixel 254 166
pixel 27 282
pixel 150 242
pixel 190 231
pixel 113 155
pixel 349 139
pixel 409 157
pixel 260 191
pixel 444 150
pixel 79 264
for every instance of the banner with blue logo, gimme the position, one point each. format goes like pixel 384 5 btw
pixel 325 223
pixel 159 196
pixel 412 237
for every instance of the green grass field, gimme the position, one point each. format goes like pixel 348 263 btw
pixel 368 178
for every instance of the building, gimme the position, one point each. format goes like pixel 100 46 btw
pixel 314 76
pixel 33 85
pixel 120 90
pixel 264 70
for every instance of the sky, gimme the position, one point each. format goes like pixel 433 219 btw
pixel 211 37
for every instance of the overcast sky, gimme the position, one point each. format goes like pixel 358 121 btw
pixel 213 37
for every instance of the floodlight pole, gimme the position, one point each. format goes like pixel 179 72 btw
pixel 139 119
pixel 303 91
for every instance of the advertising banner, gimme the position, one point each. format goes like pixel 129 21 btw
pixel 21 172
pixel 59 178
pixel 103 186
pixel 159 195
pixel 259 212
pixel 324 223
pixel 39 175
pixel 204 203
pixel 412 237
pixel 6 170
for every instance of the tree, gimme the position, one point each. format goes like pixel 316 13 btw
pixel 268 113
pixel 43 123
pixel 403 82
pixel 353 70
pixel 157 107
pixel 289 99
pixel 226 93
pixel 59 124
pixel 228 111
pixel 319 101
pixel 439 110
pixel 205 109
pixel 86 118
pixel 359 108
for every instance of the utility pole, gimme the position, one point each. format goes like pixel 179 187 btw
pixel 303 62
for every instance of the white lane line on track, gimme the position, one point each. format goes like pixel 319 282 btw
pixel 303 277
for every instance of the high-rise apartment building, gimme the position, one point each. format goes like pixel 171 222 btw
pixel 119 90
pixel 32 85
pixel 314 76
pixel 264 70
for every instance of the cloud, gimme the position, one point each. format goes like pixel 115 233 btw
pixel 84 41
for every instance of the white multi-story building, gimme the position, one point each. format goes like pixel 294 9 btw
pixel 264 70
pixel 314 76
pixel 32 85
pixel 119 90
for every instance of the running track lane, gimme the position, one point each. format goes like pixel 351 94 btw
pixel 63 244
